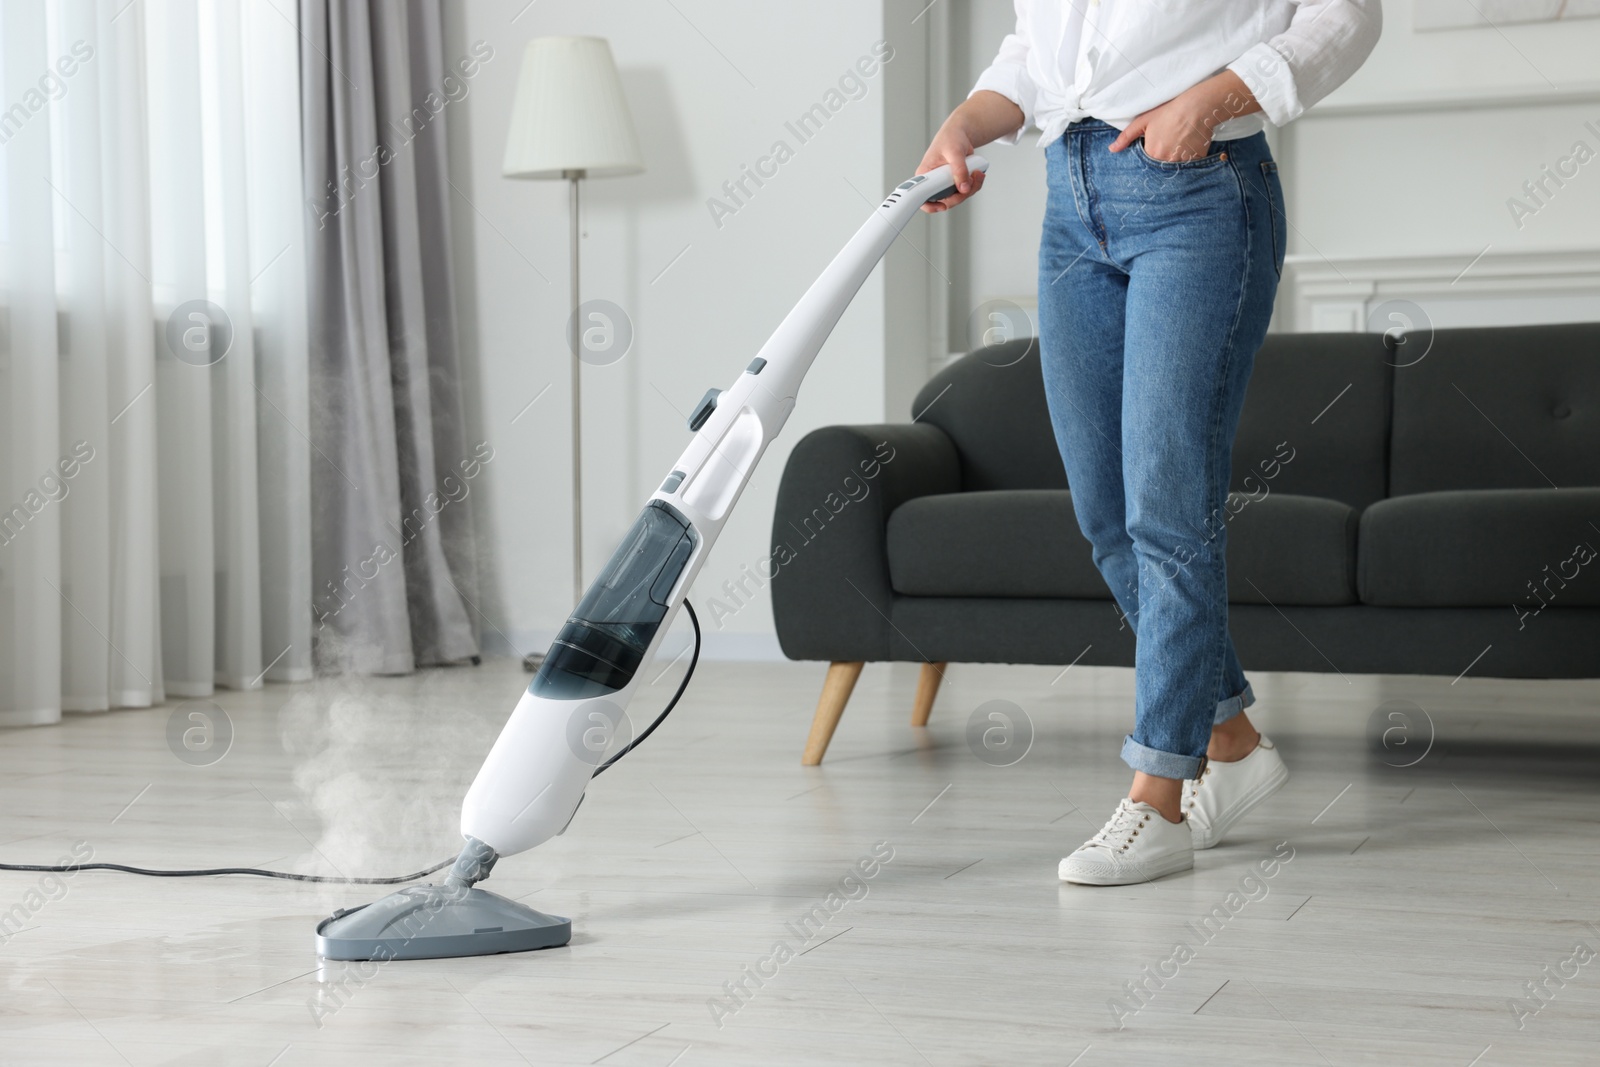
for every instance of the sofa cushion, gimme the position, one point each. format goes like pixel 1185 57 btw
pixel 1282 549
pixel 1289 549
pixel 1324 398
pixel 1514 407
pixel 1483 548
pixel 1004 543
pixel 991 404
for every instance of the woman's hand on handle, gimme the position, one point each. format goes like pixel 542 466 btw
pixel 980 119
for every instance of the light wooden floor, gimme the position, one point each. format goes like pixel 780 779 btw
pixel 1418 902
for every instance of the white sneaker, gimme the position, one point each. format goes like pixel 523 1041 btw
pixel 1137 845
pixel 1225 792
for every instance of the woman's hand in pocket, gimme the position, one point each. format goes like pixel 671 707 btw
pixel 1180 129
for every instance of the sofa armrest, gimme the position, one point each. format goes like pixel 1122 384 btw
pixel 831 596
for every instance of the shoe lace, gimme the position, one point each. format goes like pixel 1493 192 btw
pixel 1120 830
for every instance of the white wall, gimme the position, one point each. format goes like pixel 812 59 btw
pixel 1421 150
pixel 711 84
pixel 996 235
pixel 1400 185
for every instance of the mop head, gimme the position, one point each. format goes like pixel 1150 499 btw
pixel 429 922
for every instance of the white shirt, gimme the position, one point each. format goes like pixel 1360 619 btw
pixel 1115 59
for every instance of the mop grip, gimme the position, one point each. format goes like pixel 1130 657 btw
pixel 936 184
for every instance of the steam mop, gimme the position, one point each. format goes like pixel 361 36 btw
pixel 534 778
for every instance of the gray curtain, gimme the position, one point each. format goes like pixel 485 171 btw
pixel 392 534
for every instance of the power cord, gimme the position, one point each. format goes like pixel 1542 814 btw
pixel 71 868
pixel 694 620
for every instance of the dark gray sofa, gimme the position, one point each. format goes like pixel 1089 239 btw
pixel 1391 514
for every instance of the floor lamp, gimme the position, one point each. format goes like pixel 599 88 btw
pixel 570 120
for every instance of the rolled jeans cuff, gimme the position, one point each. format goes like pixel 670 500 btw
pixel 1227 709
pixel 1170 764
pixel 1159 763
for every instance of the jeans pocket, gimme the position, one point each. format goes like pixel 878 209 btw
pixel 1272 186
pixel 1212 160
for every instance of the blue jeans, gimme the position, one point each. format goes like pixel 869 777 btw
pixel 1156 282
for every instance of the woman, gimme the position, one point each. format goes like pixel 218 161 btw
pixel 1164 237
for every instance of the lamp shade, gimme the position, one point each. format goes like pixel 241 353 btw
pixel 569 113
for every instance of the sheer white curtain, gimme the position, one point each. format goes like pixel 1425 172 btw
pixel 154 510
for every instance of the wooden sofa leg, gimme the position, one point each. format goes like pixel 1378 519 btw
pixel 927 688
pixel 836 689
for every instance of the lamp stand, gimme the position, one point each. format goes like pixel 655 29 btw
pixel 533 660
pixel 574 346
